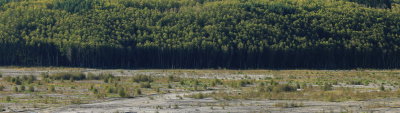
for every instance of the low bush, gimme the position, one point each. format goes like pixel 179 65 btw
pixel 142 78
pixel 172 78
pixel 241 83
pixel 145 85
pixel 15 80
pixel 15 89
pixel 2 88
pixel 22 88
pixel 216 82
pixel 288 105
pixel 102 76
pixel 327 87
pixel 68 76
pixel 31 89
pixel 283 88
pixel 198 96
pixel 44 75
pixel 29 79
pixel 122 93
pixel 138 91
pixel 111 90
pixel 8 98
pixel 52 89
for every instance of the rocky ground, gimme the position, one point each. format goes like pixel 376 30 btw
pixel 170 103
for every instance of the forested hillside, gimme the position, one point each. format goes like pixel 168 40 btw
pixel 244 34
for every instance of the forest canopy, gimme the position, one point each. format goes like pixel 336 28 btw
pixel 245 34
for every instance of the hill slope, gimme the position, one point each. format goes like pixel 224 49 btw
pixel 199 34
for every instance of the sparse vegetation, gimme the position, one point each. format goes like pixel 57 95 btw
pixel 327 87
pixel 68 76
pixel 289 105
pixel 31 89
pixel 138 91
pixel 301 85
pixel 52 89
pixel 145 85
pixel 142 78
pixel 198 96
pixel 122 92
pixel 15 89
pixel 2 88
pixel 8 98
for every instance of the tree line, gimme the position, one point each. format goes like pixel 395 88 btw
pixel 245 34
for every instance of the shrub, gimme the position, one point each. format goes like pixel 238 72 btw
pixel 110 90
pixel 91 87
pixel 304 85
pixel 95 91
pixel 108 80
pixel 22 88
pixel 8 98
pixel 76 101
pixel 382 88
pixel 29 79
pixel 273 83
pixel 262 84
pixel 288 105
pixel 44 75
pixel 356 82
pixel 196 82
pixel 138 91
pixel 102 76
pixel 243 83
pixel 100 95
pixel 142 78
pixel 176 106
pixel 2 88
pixel 157 90
pixel 283 88
pixel 68 76
pixel 327 87
pixel 145 85
pixel 7 78
pixel 71 80
pixel 15 89
pixel 52 89
pixel 198 96
pixel 172 78
pixel 122 93
pixel 15 80
pixel 2 108
pixel 298 85
pixel 31 89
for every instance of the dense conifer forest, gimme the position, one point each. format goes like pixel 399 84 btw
pixel 245 34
